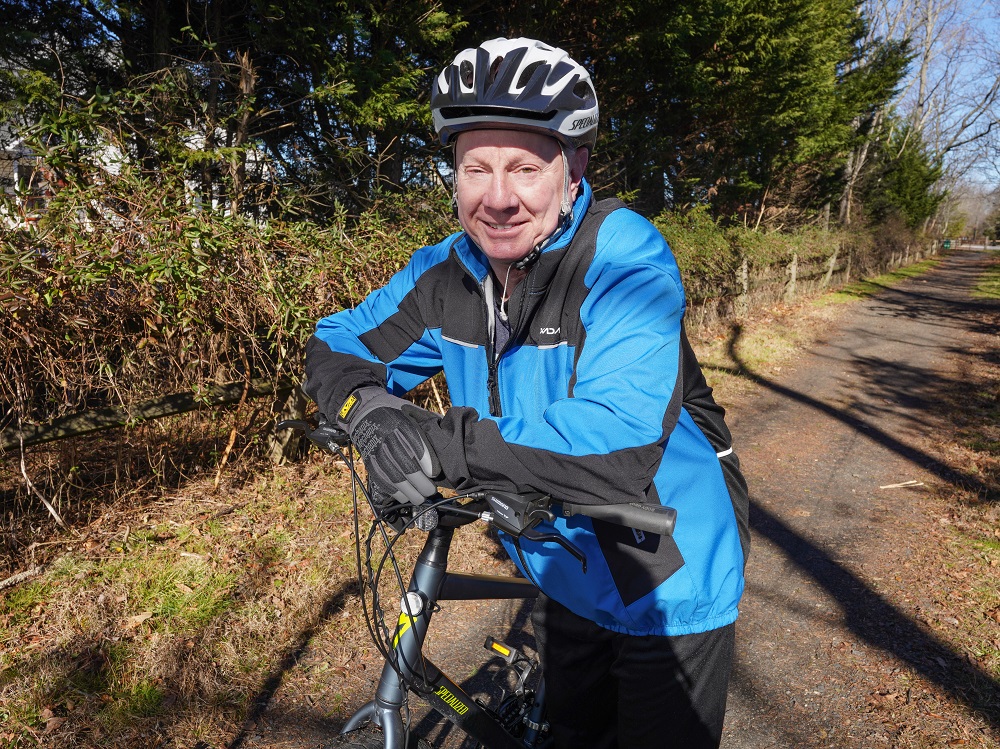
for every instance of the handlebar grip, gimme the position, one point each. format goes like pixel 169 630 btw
pixel 650 518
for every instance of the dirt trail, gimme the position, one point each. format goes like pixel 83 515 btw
pixel 827 655
pixel 820 643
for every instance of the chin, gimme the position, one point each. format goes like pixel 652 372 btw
pixel 504 253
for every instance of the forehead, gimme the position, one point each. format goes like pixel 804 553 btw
pixel 481 143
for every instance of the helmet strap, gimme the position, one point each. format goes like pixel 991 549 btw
pixel 454 181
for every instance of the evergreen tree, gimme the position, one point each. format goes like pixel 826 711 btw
pixel 902 180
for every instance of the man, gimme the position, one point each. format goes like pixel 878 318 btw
pixel 558 322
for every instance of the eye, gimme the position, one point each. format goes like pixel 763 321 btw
pixel 526 171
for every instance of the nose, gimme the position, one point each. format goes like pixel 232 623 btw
pixel 499 195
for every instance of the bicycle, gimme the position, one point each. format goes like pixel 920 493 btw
pixel 518 721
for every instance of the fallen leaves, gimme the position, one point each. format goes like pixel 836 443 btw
pixel 52 721
pixel 134 621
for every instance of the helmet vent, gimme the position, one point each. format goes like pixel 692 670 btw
pixel 494 112
pixel 516 84
pixel 527 73
pixel 585 92
pixel 467 73
pixel 493 71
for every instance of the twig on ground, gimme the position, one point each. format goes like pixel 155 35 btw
pixel 34 490
pixel 20 577
pixel 903 484
pixel 437 395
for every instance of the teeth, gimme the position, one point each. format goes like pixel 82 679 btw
pixel 501 226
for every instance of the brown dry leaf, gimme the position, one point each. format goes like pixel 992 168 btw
pixel 184 588
pixel 53 723
pixel 135 621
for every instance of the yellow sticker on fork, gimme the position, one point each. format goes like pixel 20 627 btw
pixel 404 623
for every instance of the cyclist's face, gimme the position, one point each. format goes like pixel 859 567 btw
pixel 509 186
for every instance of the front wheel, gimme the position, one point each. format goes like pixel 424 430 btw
pixel 370 737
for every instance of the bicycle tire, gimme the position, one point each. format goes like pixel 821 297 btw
pixel 370 737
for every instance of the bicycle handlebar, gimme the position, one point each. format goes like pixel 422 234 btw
pixel 650 518
pixel 517 513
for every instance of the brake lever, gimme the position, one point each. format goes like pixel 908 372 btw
pixel 518 514
pixel 532 535
pixel 326 435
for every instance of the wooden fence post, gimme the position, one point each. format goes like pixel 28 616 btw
pixel 282 446
pixel 742 305
pixel 792 272
pixel 829 271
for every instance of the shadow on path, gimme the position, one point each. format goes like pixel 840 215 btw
pixel 913 454
pixel 876 621
pixel 259 702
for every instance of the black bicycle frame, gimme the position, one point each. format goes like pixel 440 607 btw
pixel 432 583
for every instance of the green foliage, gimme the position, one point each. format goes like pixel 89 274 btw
pixel 346 87
pixel 748 106
pixel 17 604
pixel 175 596
pixel 702 247
pixel 325 98
pixel 710 254
pixel 140 699
pixel 901 183
pixel 988 285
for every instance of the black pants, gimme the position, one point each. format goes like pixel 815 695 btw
pixel 606 690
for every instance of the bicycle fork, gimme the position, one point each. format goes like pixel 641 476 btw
pixel 429 583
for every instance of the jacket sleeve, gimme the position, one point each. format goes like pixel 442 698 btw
pixel 339 356
pixel 604 441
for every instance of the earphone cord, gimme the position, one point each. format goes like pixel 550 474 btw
pixel 503 297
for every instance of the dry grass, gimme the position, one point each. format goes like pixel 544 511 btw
pixel 167 624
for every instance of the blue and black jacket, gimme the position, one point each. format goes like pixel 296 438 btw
pixel 596 397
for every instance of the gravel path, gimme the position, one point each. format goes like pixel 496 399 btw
pixel 820 643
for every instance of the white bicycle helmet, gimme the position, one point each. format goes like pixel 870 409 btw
pixel 516 84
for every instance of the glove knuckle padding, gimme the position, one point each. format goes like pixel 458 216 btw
pixel 391 444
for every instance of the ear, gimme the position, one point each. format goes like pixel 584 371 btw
pixel 577 166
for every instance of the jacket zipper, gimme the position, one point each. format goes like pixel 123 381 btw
pixel 493 357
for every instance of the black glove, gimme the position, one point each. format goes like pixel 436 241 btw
pixel 401 463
